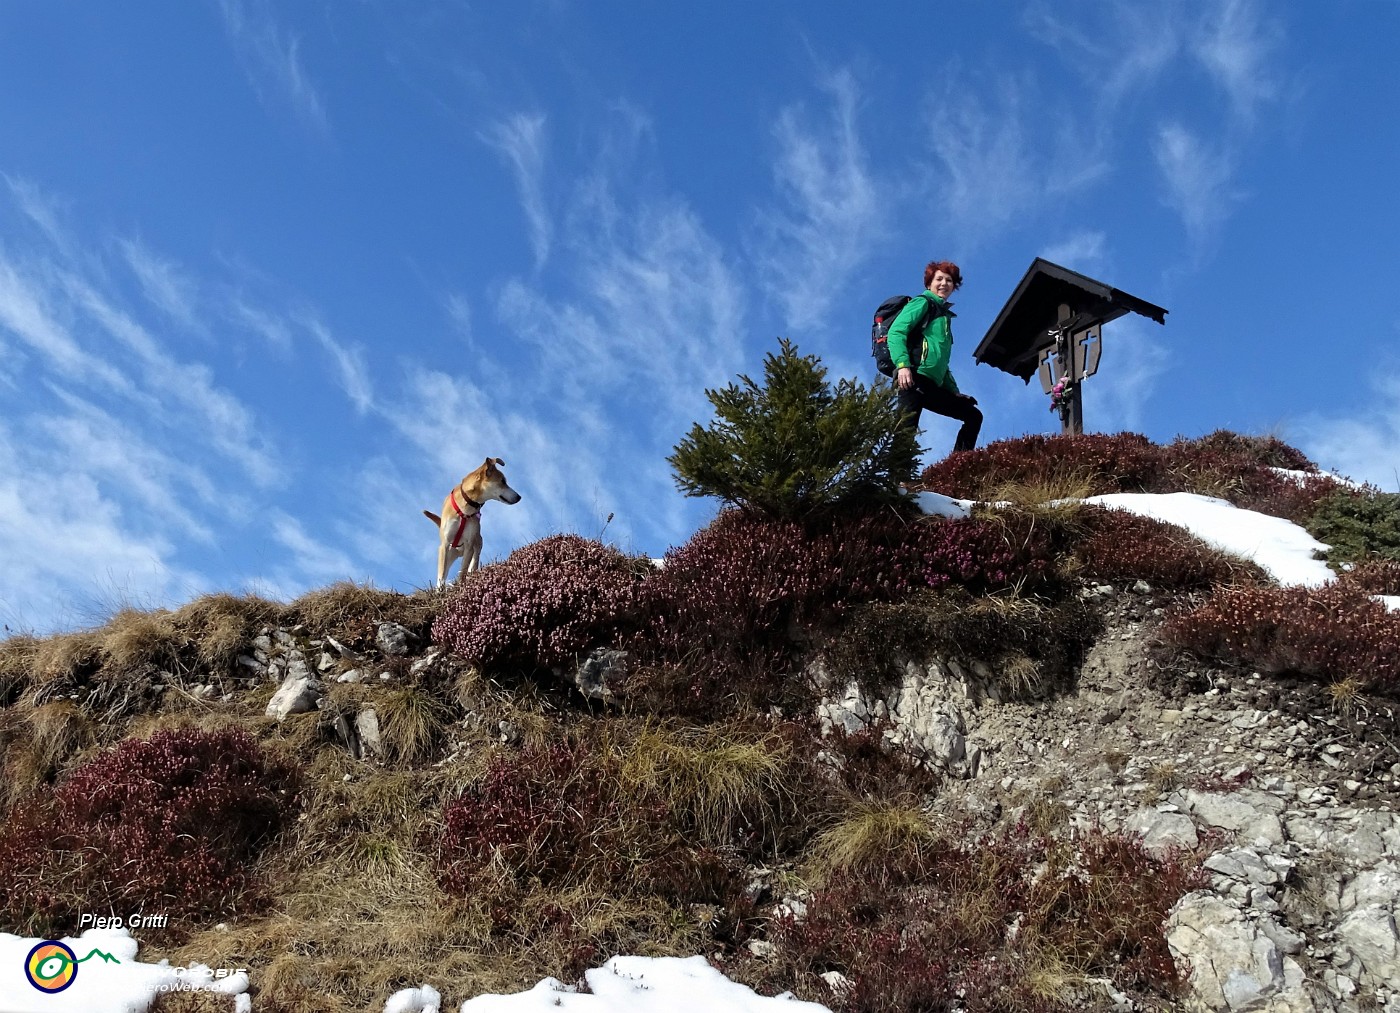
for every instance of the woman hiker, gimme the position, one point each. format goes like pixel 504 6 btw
pixel 920 341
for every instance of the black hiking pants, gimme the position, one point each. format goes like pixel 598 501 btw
pixel 927 394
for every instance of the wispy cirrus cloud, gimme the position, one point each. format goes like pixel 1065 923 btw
pixel 1198 180
pixel 521 141
pixel 1133 57
pixel 26 313
pixel 1237 45
pixel 69 546
pixel 809 246
pixel 349 362
pixel 1119 52
pixel 272 59
pixel 115 450
pixel 167 287
pixel 41 208
pixel 165 380
pixel 991 173
pixel 1085 251
pixel 1137 360
pixel 313 559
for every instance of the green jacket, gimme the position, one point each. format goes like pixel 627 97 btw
pixel 928 357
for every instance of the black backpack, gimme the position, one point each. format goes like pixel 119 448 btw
pixel 880 329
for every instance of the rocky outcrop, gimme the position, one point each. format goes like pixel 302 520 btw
pixel 1300 833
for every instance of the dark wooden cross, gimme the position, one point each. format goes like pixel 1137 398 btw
pixel 1053 326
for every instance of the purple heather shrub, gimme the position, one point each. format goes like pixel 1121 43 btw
pixel 751 583
pixel 174 822
pixel 963 926
pixel 1243 470
pixel 1125 462
pixel 544 813
pixel 1260 451
pixel 1121 546
pixel 1373 576
pixel 1330 633
pixel 1237 468
pixel 543 605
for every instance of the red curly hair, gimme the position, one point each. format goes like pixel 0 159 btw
pixel 947 267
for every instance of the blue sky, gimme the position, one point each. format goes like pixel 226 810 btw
pixel 274 276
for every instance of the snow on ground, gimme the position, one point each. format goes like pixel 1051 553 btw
pixel 109 979
pixel 623 984
pixel 1282 548
pixel 644 985
pixel 102 975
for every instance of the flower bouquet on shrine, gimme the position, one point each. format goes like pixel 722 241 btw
pixel 1060 395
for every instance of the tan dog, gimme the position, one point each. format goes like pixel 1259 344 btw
pixel 459 527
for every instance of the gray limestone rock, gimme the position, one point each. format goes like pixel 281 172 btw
pixel 1232 964
pixel 1163 831
pixel 297 695
pixel 392 638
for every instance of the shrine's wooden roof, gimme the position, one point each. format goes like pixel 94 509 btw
pixel 1022 329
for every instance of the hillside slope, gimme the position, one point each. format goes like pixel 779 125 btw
pixel 1044 756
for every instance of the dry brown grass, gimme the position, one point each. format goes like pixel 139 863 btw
pixel 37 744
pixel 17 664
pixel 61 731
pixel 723 777
pixel 1346 695
pixel 349 611
pixel 872 834
pixel 66 659
pixel 1055 498
pixel 337 947
pixel 412 722
pixel 360 915
pixel 222 625
pixel 133 639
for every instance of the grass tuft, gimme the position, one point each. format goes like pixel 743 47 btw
pixel 873 836
pixel 412 722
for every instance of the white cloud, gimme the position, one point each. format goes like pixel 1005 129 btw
pixel 163 283
pixel 1197 179
pixel 1084 251
pixel 118 457
pixel 1134 363
pixel 224 421
pixel 349 364
pixel 1363 445
pixel 41 208
pixel 521 141
pixel 984 148
pixel 25 312
pixel 459 310
pixel 1236 46
pixel 827 224
pixel 272 58
pixel 64 539
pixel 93 442
pixel 273 328
pixel 313 561
pixel 1121 51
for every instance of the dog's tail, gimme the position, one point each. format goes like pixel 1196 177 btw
pixel 433 517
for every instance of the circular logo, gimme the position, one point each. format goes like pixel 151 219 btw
pixel 51 966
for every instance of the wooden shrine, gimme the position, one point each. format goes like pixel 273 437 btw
pixel 1053 326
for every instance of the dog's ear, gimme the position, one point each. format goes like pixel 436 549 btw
pixel 498 460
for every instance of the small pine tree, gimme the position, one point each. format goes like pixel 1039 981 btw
pixel 793 446
pixel 1358 525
